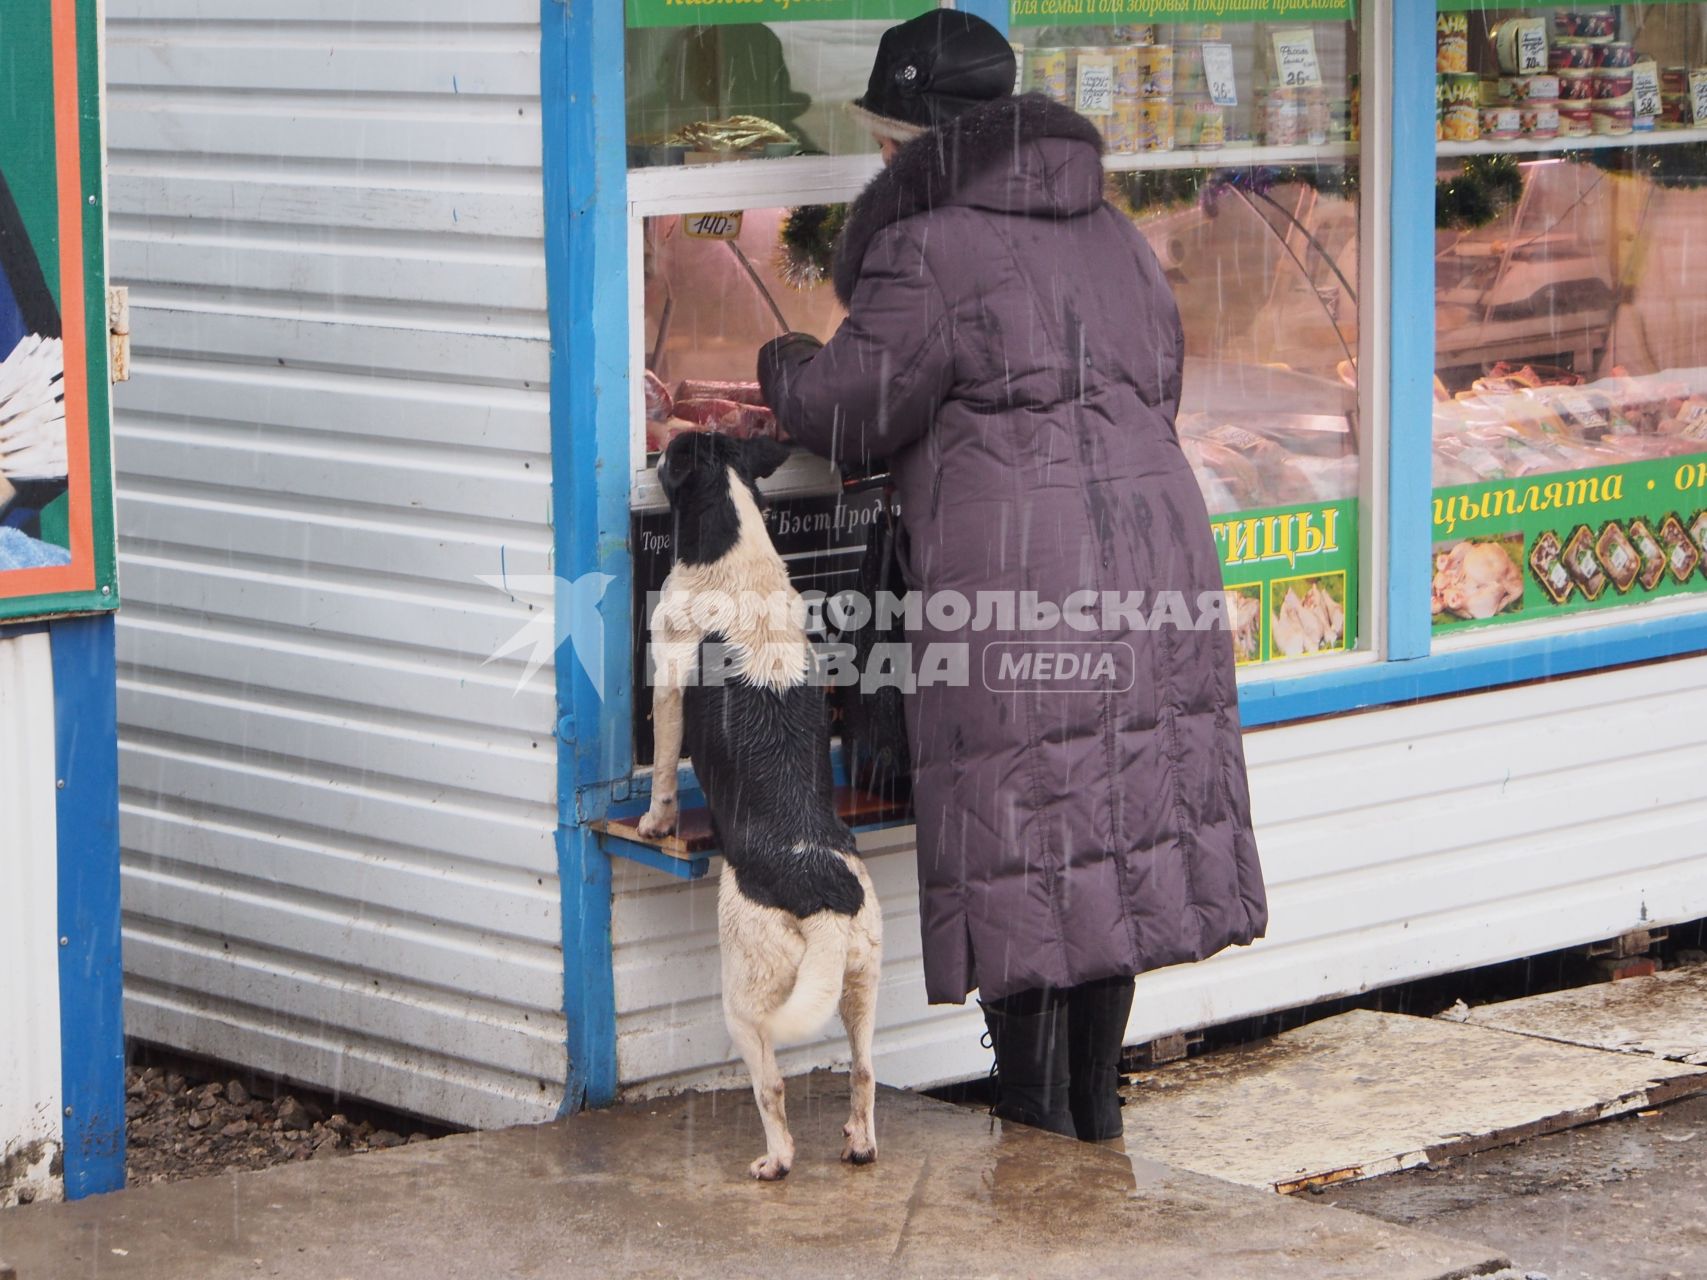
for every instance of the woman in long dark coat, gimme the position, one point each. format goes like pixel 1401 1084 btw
pixel 1012 351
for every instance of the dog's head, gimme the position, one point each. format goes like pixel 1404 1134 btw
pixel 697 472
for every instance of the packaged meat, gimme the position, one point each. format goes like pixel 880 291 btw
pixel 1549 571
pixel 730 416
pixel 705 389
pixel 1617 556
pixel 1698 533
pixel 1578 557
pixel 659 402
pixel 1652 553
pixel 1682 555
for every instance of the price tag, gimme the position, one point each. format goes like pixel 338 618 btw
pixel 1646 77
pixel 1698 96
pixel 1531 47
pixel 1218 71
pixel 1295 59
pixel 712 226
pixel 1095 96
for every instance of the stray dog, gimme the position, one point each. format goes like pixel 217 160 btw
pixel 799 923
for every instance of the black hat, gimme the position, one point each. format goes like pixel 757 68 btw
pixel 931 69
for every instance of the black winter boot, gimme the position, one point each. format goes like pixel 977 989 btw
pixel 1028 1031
pixel 1096 1025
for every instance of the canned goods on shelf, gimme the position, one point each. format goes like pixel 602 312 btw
pixel 1613 83
pixel 1576 85
pixel 1615 54
pixel 1501 123
pixel 1049 73
pixel 1541 120
pixel 1576 119
pixel 1615 118
pixel 1587 24
pixel 1452 43
pixel 1134 33
pixel 1200 123
pixel 1578 54
pixel 1126 77
pixel 1520 45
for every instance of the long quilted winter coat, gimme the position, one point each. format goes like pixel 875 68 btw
pixel 1012 349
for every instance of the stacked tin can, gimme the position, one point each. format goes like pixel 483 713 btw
pixel 1457 94
pixel 1143 71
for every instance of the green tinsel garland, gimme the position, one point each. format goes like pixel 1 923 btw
pixel 1483 188
pixel 807 243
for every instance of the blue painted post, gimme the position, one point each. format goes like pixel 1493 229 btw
pixel 585 177
pixel 91 1009
pixel 1411 317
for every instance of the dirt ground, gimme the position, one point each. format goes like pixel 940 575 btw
pixel 179 1126
pixel 1620 1200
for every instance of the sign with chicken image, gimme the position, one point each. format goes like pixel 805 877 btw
pixel 1556 543
pixel 56 509
pixel 1291 580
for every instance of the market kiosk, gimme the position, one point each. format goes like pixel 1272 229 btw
pixel 1406 511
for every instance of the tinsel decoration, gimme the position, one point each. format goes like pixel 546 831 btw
pixel 1155 190
pixel 1677 166
pixel 807 243
pixel 1483 189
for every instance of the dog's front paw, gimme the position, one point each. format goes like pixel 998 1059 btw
pixel 660 820
pixel 769 1168
pixel 860 1147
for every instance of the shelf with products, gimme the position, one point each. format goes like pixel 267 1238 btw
pixel 1551 146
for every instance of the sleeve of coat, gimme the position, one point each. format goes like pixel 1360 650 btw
pixel 876 385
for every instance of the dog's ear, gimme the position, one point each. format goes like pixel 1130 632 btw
pixel 761 456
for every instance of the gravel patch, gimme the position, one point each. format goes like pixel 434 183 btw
pixel 183 1128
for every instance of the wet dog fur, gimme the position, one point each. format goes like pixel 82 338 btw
pixel 799 924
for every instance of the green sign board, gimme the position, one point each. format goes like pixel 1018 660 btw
pixel 705 13
pixel 1039 13
pixel 1291 579
pixel 56 502
pixel 1548 545
pixel 1488 6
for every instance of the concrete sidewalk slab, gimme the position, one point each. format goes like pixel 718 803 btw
pixel 1368 1093
pixel 659 1189
pixel 1662 1016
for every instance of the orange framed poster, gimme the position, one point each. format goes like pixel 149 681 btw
pixel 57 551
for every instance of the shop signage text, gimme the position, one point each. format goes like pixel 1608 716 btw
pixel 1517 550
pixel 1034 13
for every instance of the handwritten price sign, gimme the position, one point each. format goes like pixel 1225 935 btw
pixel 1646 82
pixel 1218 71
pixel 1295 59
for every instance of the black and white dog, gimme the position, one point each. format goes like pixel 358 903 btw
pixel 799 923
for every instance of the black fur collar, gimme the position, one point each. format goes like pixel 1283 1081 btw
pixel 928 170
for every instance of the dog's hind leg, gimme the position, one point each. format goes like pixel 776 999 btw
pixel 756 1048
pixel 859 1015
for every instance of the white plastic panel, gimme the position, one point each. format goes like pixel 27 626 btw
pixel 338 822
pixel 1396 843
pixel 30 1082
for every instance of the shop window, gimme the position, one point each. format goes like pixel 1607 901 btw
pixel 748 90
pixel 1570 423
pixel 1233 146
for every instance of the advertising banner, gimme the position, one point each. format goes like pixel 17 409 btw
pixel 705 13
pixel 56 506
pixel 1291 579
pixel 1548 545
pixel 1040 13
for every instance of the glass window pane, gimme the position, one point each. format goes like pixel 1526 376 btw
pixel 747 90
pixel 1570 422
pixel 1261 250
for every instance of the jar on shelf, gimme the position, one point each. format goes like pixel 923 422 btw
pixel 1452 43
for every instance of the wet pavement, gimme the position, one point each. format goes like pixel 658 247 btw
pixel 659 1189
pixel 1620 1200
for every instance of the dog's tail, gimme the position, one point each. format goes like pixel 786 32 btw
pixel 818 983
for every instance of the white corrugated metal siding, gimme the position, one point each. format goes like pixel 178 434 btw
pixel 338 824
pixel 30 1080
pixel 1396 843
